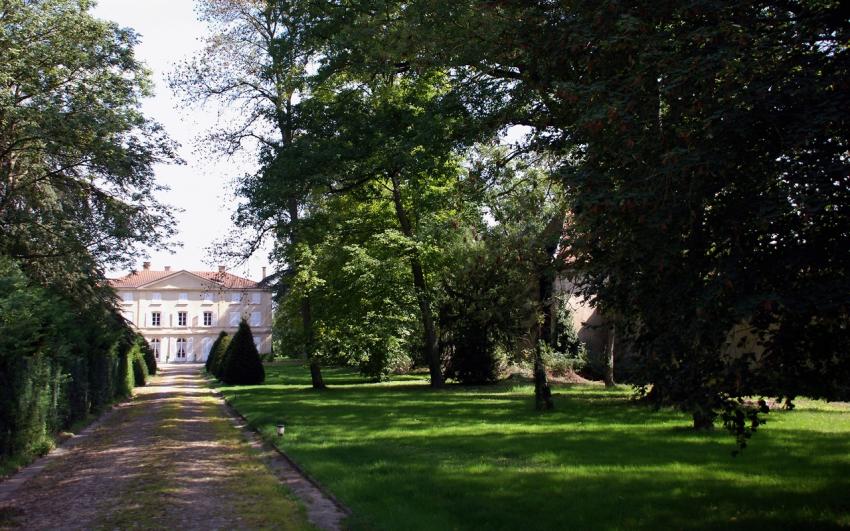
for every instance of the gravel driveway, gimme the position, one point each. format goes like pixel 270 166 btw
pixel 168 459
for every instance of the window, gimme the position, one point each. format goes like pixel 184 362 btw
pixel 257 341
pixel 234 319
pixel 207 318
pixel 256 318
pixel 129 316
pixel 208 298
pixel 236 297
pixel 127 296
pixel 156 318
pixel 181 318
pixel 183 297
pixel 181 348
pixel 206 344
pixel 255 298
pixel 156 297
pixel 155 347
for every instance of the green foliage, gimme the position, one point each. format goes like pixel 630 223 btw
pixel 73 142
pixel 148 356
pixel 242 364
pixel 702 147
pixel 58 362
pixel 214 352
pixel 124 375
pixel 220 359
pixel 140 367
pixel 76 197
pixel 568 353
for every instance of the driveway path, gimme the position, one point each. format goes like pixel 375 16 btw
pixel 170 459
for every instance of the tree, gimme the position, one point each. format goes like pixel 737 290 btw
pixel 211 357
pixel 76 155
pixel 76 197
pixel 704 146
pixel 255 64
pixel 242 364
pixel 219 356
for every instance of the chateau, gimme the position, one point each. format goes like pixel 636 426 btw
pixel 180 313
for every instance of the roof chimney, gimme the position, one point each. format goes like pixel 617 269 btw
pixel 146 265
pixel 167 268
pixel 221 269
pixel 264 273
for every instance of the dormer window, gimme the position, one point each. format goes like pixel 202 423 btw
pixel 208 298
pixel 255 298
pixel 127 296
pixel 156 297
pixel 235 297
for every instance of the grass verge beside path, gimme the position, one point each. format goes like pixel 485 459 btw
pixel 403 456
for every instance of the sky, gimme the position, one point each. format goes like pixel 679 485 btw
pixel 169 32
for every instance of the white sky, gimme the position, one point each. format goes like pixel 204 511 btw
pixel 169 32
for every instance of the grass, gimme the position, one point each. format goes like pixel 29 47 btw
pixel 402 456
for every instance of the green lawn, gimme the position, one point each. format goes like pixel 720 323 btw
pixel 402 456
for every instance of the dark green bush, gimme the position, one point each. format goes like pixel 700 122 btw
pixel 208 365
pixel 125 380
pixel 59 360
pixel 474 358
pixel 242 364
pixel 220 354
pixel 148 356
pixel 569 353
pixel 140 368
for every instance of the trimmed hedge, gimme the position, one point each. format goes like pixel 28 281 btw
pixel 61 360
pixel 140 368
pixel 220 354
pixel 211 359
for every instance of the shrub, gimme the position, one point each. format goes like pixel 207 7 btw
pixel 140 368
pixel 220 354
pixel 125 380
pixel 569 353
pixel 474 358
pixel 208 365
pixel 242 364
pixel 148 356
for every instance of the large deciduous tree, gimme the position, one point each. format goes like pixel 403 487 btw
pixel 254 66
pixel 76 154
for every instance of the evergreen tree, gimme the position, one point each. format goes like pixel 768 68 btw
pixel 242 364
pixel 149 357
pixel 219 355
pixel 208 365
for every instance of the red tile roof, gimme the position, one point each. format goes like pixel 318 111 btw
pixel 224 280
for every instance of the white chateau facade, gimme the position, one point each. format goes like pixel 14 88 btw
pixel 180 313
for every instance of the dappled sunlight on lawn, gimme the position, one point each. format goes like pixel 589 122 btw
pixel 405 456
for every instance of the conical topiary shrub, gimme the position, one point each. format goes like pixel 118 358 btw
pixel 242 364
pixel 217 365
pixel 149 356
pixel 211 357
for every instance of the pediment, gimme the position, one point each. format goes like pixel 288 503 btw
pixel 180 280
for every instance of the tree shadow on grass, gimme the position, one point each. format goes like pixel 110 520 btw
pixel 407 457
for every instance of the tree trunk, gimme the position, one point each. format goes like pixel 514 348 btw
pixel 608 377
pixel 306 312
pixel 432 349
pixel 542 391
pixel 703 420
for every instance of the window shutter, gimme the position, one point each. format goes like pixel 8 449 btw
pixel 190 353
